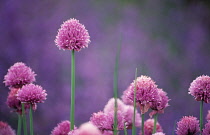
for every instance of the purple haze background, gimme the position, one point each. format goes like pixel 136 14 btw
pixel 166 40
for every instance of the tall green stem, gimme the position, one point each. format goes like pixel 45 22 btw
pixel 31 121
pixel 155 123
pixel 201 117
pixel 142 122
pixel 19 124
pixel 134 110
pixel 125 130
pixel 72 89
pixel 24 119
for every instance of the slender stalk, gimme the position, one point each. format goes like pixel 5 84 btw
pixel 24 119
pixel 155 123
pixel 142 126
pixel 201 117
pixel 19 124
pixel 125 130
pixel 31 121
pixel 134 110
pixel 174 127
pixel 72 89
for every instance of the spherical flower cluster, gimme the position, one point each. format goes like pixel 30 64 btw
pixel 31 94
pixel 208 116
pixel 206 130
pixel 128 115
pixel 158 133
pixel 62 128
pixel 160 103
pixel 109 107
pixel 146 92
pixel 200 88
pixel 149 125
pixel 72 36
pixel 5 129
pixel 18 75
pixel 188 125
pixel 14 103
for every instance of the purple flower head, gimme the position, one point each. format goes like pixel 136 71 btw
pixel 5 129
pixel 146 92
pixel 18 75
pixel 109 107
pixel 31 94
pixel 105 132
pixel 208 116
pixel 128 115
pixel 158 133
pixel 188 125
pixel 88 129
pixel 148 127
pixel 160 103
pixel 14 103
pixel 206 130
pixel 72 36
pixel 62 128
pixel 200 88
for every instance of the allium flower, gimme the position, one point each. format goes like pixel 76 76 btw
pixel 206 130
pixel 62 128
pixel 158 133
pixel 14 103
pixel 88 129
pixel 146 92
pixel 188 125
pixel 160 103
pixel 200 88
pixel 109 107
pixel 108 132
pixel 72 36
pixel 128 115
pixel 5 129
pixel 31 94
pixel 18 75
pixel 148 127
pixel 208 116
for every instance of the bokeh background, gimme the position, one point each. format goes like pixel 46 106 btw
pixel 168 40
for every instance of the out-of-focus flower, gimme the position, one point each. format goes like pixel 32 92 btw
pixel 62 128
pixel 31 94
pixel 72 36
pixel 18 75
pixel 188 125
pixel 105 132
pixel 208 116
pixel 158 133
pixel 148 127
pixel 200 88
pixel 109 107
pixel 14 103
pixel 146 92
pixel 160 103
pixel 128 115
pixel 5 129
pixel 206 130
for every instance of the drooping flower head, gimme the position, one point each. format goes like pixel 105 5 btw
pixel 158 133
pixel 14 103
pixel 160 103
pixel 148 127
pixel 188 125
pixel 146 92
pixel 5 129
pixel 18 75
pixel 206 130
pixel 208 116
pixel 31 94
pixel 62 128
pixel 72 36
pixel 200 88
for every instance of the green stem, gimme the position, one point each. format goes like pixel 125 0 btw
pixel 134 110
pixel 24 119
pixel 31 121
pixel 72 89
pixel 201 117
pixel 142 126
pixel 19 124
pixel 155 123
pixel 125 130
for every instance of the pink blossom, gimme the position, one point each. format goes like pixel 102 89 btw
pixel 206 130
pixel 109 107
pixel 158 133
pixel 149 125
pixel 128 115
pixel 208 116
pixel 5 129
pixel 62 128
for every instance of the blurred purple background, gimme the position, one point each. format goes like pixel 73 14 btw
pixel 166 40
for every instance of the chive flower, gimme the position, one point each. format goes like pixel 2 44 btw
pixel 62 128
pixel 188 125
pixel 18 75
pixel 208 116
pixel 72 36
pixel 206 130
pixel 158 133
pixel 149 125
pixel 5 129
pixel 128 115
pixel 200 88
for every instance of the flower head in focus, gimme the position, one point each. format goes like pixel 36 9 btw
pixel 5 129
pixel 18 75
pixel 72 36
